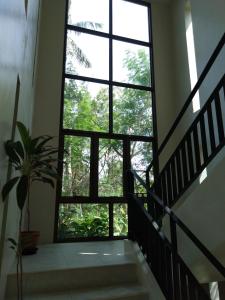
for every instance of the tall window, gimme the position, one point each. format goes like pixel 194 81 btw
pixel 107 120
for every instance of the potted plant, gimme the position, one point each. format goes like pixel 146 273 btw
pixel 32 160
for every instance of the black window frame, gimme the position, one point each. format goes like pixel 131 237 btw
pixel 95 136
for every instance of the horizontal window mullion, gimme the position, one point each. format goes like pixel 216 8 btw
pixel 108 35
pixel 108 82
pixel 84 78
pixel 118 136
pixel 88 31
pixel 132 86
pixel 89 200
pixel 140 2
pixel 131 41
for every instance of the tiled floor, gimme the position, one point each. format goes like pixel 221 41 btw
pixel 81 271
pixel 74 255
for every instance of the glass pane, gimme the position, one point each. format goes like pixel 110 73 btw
pixel 83 220
pixel 91 14
pixel 76 170
pixel 132 111
pixel 87 55
pixel 120 220
pixel 124 14
pixel 86 106
pixel 141 157
pixel 110 168
pixel 131 63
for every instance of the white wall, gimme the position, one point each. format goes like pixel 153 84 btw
pixel 47 107
pixel 202 206
pixel 208 25
pixel 203 213
pixel 163 66
pixel 17 53
pixel 48 95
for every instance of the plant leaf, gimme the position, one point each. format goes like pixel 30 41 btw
pixel 8 187
pixel 11 152
pixel 12 241
pixel 50 173
pixel 19 149
pixel 39 147
pixel 24 134
pixel 21 191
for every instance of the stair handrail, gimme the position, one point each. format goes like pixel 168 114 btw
pixel 203 75
pixel 214 261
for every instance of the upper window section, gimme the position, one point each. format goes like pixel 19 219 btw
pixel 91 14
pixel 130 20
pixel 108 67
pixel 131 63
pixel 87 55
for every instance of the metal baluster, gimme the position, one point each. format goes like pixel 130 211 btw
pixel 211 127
pixel 203 137
pixel 196 148
pixel 219 117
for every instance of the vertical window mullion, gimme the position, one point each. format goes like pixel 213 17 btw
pixel 126 165
pixel 94 169
pixel 110 67
pixel 111 221
pixel 154 120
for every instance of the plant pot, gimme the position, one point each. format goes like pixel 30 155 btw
pixel 29 241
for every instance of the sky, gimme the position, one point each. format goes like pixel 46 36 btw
pixel 129 20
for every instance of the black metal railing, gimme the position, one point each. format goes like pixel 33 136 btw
pixel 174 277
pixel 200 144
pixel 189 100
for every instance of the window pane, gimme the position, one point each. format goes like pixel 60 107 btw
pixel 86 106
pixel 141 156
pixel 76 170
pixel 91 14
pixel 131 63
pixel 124 14
pixel 110 168
pixel 120 220
pixel 87 55
pixel 132 112
pixel 83 220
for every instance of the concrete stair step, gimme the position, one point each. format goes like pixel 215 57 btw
pixel 118 292
pixel 125 292
pixel 74 278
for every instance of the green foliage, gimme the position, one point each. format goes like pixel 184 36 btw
pixel 88 110
pixel 33 160
pixel 120 227
pixel 83 220
pixel 76 170
pixel 90 220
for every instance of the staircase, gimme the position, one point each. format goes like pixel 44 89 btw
pixel 178 258
pixel 69 272
pixel 81 271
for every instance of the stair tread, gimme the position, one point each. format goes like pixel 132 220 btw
pixel 56 268
pixel 110 293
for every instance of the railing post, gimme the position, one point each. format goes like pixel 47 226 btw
pixel 130 181
pixel 173 233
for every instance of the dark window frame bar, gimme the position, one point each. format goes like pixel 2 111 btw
pixel 109 82
pixel 109 135
pixel 106 135
pixel 108 36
